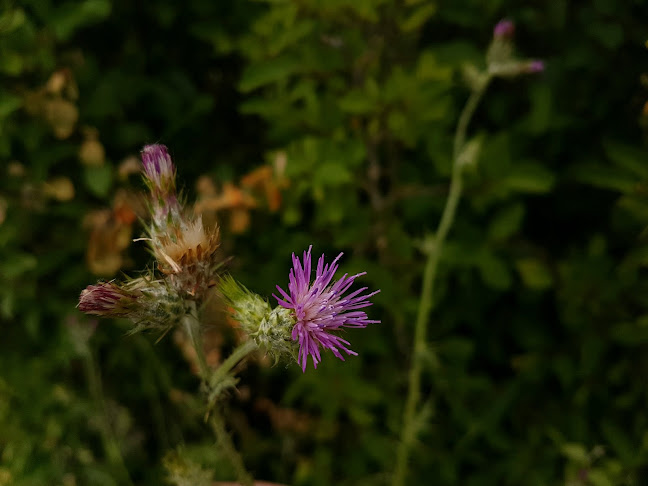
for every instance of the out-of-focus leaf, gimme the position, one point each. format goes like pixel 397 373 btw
pixel 98 179
pixel 598 478
pixel 605 177
pixel 534 273
pixel 529 177
pixel 70 16
pixel 17 265
pixel 575 452
pixel 631 158
pixel 494 272
pixel 9 104
pixel 418 17
pixel 506 222
pixel 265 72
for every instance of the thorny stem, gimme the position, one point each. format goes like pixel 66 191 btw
pixel 434 246
pixel 110 445
pixel 227 447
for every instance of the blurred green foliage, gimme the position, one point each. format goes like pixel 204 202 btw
pixel 540 331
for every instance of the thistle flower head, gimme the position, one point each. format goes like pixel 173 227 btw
pixel 107 299
pixel 322 307
pixel 160 177
pixel 150 304
pixel 270 328
pixel 159 170
pixel 535 66
pixel 504 29
pixel 186 254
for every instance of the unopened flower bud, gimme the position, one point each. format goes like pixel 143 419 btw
pixel 535 66
pixel 149 304
pixel 158 168
pixel 159 175
pixel 107 300
pixel 504 29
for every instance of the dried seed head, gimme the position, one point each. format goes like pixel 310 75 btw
pixel 187 255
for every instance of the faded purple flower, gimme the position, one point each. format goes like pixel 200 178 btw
pixel 160 174
pixel 321 307
pixel 535 66
pixel 158 167
pixel 504 29
pixel 107 300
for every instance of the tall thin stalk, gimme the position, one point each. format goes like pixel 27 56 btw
pixel 433 247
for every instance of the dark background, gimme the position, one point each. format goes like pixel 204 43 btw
pixel 537 345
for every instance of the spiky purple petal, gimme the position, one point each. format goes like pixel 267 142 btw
pixel 322 307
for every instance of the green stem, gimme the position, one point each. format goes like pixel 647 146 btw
pixel 229 450
pixel 110 445
pixel 222 377
pixel 434 246
pixel 213 382
pixel 191 323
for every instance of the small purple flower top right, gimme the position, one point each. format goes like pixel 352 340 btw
pixel 322 307
pixel 504 29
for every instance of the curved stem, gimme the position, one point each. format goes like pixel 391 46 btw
pixel 434 246
pixel 226 366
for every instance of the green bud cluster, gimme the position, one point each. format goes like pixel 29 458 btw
pixel 270 328
pixel 275 333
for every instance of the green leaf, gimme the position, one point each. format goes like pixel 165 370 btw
pixel 8 104
pixel 428 68
pixel 494 272
pixel 529 177
pixel 99 179
pixel 357 102
pixel 73 15
pixel 18 264
pixel 605 177
pixel 418 17
pixel 534 273
pixel 575 452
pixel 506 222
pixel 598 478
pixel 631 158
pixel 268 71
pixel 332 174
pixel 619 441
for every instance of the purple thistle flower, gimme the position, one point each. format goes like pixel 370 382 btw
pixel 322 307
pixel 504 29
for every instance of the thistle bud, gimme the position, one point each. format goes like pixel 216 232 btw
pixel 270 328
pixel 534 66
pixel 159 175
pixel 150 304
pixel 107 299
pixel 158 169
pixel 504 29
